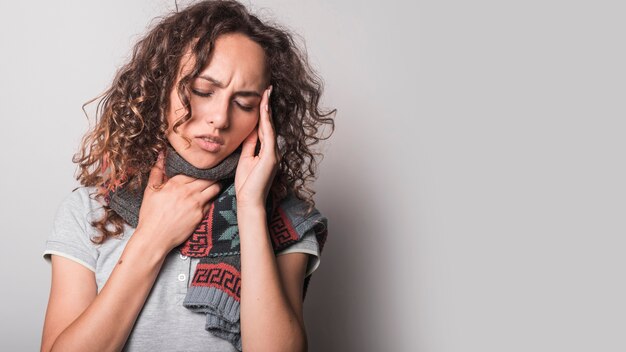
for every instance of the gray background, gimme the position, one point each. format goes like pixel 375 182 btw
pixel 474 185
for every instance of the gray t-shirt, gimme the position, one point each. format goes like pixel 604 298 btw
pixel 163 324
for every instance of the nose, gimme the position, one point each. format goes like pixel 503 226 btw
pixel 218 114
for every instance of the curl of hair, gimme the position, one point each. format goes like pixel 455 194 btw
pixel 131 124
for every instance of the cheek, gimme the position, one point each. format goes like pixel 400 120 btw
pixel 245 127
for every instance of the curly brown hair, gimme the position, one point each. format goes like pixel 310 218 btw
pixel 131 124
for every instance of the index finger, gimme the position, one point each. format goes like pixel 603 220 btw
pixel 192 181
pixel 266 128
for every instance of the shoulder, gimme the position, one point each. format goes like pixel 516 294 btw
pixel 309 224
pixel 82 197
pixel 301 215
pixel 82 203
pixel 72 230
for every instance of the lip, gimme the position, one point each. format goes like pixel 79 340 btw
pixel 209 143
pixel 216 139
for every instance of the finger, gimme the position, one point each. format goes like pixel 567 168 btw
pixel 210 192
pixel 269 107
pixel 267 136
pixel 263 111
pixel 185 179
pixel 197 185
pixel 247 150
pixel 202 186
pixel 206 208
pixel 273 128
pixel 155 178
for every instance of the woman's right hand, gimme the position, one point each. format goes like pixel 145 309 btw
pixel 172 208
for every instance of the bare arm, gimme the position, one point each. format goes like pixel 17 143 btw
pixel 271 288
pixel 79 320
pixel 73 288
pixel 271 294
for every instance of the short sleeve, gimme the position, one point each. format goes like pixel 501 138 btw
pixel 308 244
pixel 69 237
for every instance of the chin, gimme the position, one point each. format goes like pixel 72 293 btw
pixel 198 158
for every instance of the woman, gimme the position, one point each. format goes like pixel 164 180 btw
pixel 194 228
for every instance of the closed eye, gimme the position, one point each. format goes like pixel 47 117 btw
pixel 201 94
pixel 208 94
pixel 245 108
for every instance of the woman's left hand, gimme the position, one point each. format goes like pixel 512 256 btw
pixel 255 174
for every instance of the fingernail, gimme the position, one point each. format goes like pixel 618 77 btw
pixel 270 92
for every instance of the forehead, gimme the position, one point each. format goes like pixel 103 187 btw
pixel 236 61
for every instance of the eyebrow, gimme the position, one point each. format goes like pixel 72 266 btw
pixel 243 93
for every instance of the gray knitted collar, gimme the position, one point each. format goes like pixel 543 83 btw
pixel 175 164
pixel 126 202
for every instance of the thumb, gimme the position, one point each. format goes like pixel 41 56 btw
pixel 156 173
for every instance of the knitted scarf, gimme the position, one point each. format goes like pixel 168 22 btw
pixel 216 284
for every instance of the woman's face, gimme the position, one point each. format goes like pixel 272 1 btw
pixel 224 101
